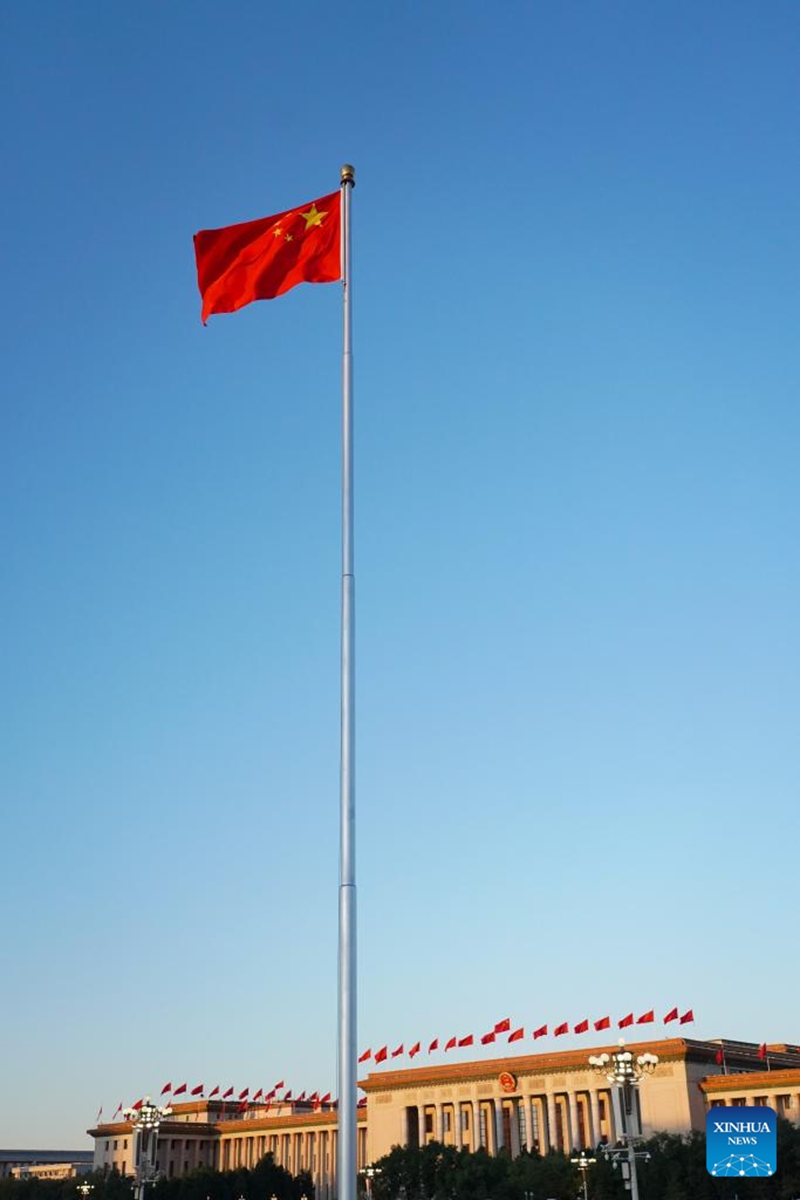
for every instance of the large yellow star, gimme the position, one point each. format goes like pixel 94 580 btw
pixel 312 217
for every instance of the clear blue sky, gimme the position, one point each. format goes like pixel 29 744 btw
pixel 578 435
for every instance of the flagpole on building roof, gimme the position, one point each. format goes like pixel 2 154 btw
pixel 347 1164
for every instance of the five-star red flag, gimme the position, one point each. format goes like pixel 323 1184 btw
pixel 466 1041
pixel 365 1056
pixel 229 1092
pixel 452 1043
pixel 179 1090
pixel 242 1107
pixel 686 1017
pixel 244 1094
pixel 277 1087
pixel 559 1029
pixel 166 1088
pixel 672 1015
pixel 517 1035
pixel 646 1018
pixel 258 260
pixel 762 1052
pixel 197 1091
pixel 257 1095
pixel 118 1110
pixel 540 1032
pixel 287 1097
pixel 503 1026
pixel 414 1050
pixel 626 1021
pixel 213 1093
pixel 720 1057
pixel 326 1099
pixel 582 1026
pixel 488 1038
pixel 139 1103
pixel 382 1054
pixel 396 1053
pixel 433 1046
pixel 603 1023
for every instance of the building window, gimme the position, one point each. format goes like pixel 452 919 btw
pixel 116 1143
pixel 108 1143
pixel 446 1120
pixel 760 1101
pixel 428 1122
pixel 717 1103
pixel 125 1144
pixel 521 1112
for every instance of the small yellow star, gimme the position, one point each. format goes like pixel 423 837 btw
pixel 289 237
pixel 277 232
pixel 312 217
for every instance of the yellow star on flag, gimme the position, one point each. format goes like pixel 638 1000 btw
pixel 312 217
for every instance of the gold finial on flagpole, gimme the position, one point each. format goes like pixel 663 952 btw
pixel 349 174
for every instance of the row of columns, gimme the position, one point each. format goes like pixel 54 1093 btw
pixel 540 1117
pixel 311 1150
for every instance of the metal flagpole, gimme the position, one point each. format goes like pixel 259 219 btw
pixel 346 1156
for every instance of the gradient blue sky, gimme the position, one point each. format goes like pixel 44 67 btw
pixel 577 377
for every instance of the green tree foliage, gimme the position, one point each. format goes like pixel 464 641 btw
pixel 265 1180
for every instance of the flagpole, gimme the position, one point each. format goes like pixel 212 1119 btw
pixel 347 1161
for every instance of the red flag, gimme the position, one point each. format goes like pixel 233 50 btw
pixel 362 1102
pixel 720 1057
pixel 317 1104
pixel 228 1093
pixel 672 1015
pixel 603 1023
pixel 326 1099
pixel 244 1094
pixel 687 1017
pixel 503 1026
pixel 214 1092
pixel 433 1046
pixel 99 1115
pixel 466 1041
pixel 139 1103
pixel 258 260
pixel 517 1035
pixel 626 1021
pixel 540 1032
pixel 646 1018
pixel 242 1107
pixel 559 1029
pixel 166 1088
pixel 414 1050
pixel 301 1097
pixel 582 1026
pixel 118 1110
pixel 271 1095
pixel 452 1043
pixel 257 1095
pixel 197 1091
pixel 277 1087
pixel 179 1090
pixel 762 1052
pixel 382 1054
pixel 488 1038
pixel 287 1097
pixel 396 1053
pixel 366 1056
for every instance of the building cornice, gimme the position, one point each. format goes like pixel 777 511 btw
pixel 747 1081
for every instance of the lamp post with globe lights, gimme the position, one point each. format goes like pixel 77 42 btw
pixel 145 1119
pixel 583 1161
pixel 625 1073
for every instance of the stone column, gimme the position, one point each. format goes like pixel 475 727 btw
pixel 423 1137
pixel 514 1127
pixel 552 1124
pixel 438 1123
pixel 475 1139
pixel 594 1121
pixel 457 1132
pixel 498 1125
pixel 574 1140
pixel 528 1102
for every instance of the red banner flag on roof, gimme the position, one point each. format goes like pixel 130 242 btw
pixel 687 1017
pixel 672 1015
pixel 517 1035
pixel 646 1018
pixel 179 1090
pixel 278 1085
pixel 301 1097
pixel 540 1032
pixel 197 1091
pixel 362 1102
pixel 117 1110
pixel 213 1092
pixel 257 1095
pixel 396 1053
pixel 603 1023
pixel 451 1043
pixel 559 1029
pixel 244 1094
pixel 762 1053
pixel 719 1058
pixel 166 1088
pixel 582 1026
pixel 382 1054
pixel 139 1103
pixel 229 1092
pixel 488 1038
pixel 414 1050
pixel 366 1056
pixel 287 1097
pixel 503 1026
pixel 469 1040
pixel 242 1106
pixel 258 260
pixel 626 1021
pixel 433 1046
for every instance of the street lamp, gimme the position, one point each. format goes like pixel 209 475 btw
pixel 583 1162
pixel 625 1073
pixel 145 1119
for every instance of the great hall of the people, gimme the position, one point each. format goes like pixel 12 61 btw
pixel 523 1102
